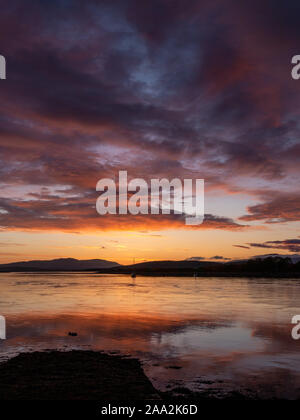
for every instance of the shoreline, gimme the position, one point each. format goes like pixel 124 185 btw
pixel 164 274
pixel 74 375
pixel 88 375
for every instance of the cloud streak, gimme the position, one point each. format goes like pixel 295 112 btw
pixel 292 245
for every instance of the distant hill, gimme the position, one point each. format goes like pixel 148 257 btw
pixel 62 264
pixel 170 268
pixel 265 267
pixel 295 258
pixel 273 265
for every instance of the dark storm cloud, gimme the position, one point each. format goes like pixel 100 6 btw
pixel 97 86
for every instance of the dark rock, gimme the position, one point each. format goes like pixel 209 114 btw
pixel 74 375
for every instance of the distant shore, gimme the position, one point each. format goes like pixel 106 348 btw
pixel 272 267
pixel 168 273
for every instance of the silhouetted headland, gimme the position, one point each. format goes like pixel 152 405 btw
pixel 273 266
pixel 267 267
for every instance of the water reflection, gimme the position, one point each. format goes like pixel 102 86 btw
pixel 214 333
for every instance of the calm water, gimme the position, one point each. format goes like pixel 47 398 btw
pixel 207 333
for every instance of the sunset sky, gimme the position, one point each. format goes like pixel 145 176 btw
pixel 165 88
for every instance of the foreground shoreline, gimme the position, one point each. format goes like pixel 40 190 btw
pixel 87 375
pixel 74 375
